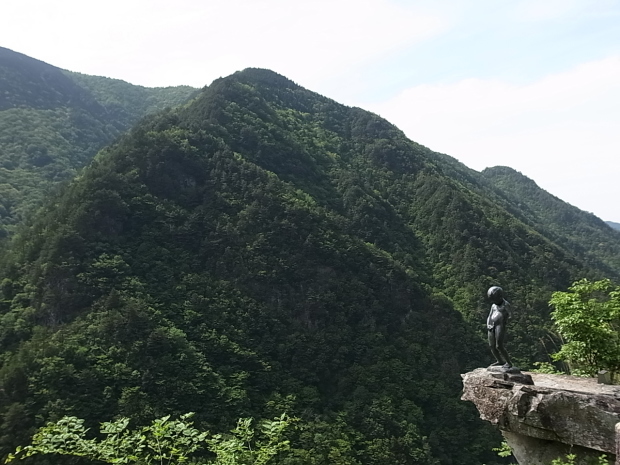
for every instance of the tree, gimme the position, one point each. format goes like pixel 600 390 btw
pixel 164 441
pixel 588 319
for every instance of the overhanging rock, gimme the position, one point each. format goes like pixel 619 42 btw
pixel 557 415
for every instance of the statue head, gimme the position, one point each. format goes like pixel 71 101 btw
pixel 496 295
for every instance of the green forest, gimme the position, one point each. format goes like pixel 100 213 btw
pixel 261 250
pixel 53 122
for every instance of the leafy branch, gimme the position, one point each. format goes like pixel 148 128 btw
pixel 164 442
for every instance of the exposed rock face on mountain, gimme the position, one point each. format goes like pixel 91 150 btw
pixel 557 415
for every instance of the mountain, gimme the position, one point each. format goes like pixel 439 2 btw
pixel 582 234
pixel 53 122
pixel 266 249
pixel 613 225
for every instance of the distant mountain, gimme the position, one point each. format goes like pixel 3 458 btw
pixel 53 122
pixel 265 248
pixel 580 233
pixel 29 83
pixel 126 103
pixel 613 225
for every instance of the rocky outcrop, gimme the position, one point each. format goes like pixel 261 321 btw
pixel 557 415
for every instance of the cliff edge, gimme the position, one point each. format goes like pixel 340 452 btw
pixel 559 414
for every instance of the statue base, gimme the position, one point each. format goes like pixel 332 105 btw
pixel 511 374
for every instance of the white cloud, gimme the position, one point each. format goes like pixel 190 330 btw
pixel 193 41
pixel 535 10
pixel 562 130
pixel 547 129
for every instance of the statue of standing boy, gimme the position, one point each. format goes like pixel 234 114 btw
pixel 496 326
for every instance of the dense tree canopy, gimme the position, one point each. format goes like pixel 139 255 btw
pixel 265 249
pixel 165 441
pixel 581 233
pixel 53 122
pixel 587 317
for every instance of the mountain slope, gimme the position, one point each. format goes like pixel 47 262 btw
pixel 613 225
pixel 583 234
pixel 53 122
pixel 265 248
pixel 221 259
pixel 126 103
pixel 468 238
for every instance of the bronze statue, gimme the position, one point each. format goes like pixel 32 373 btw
pixel 496 326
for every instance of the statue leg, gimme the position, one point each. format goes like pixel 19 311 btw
pixel 492 346
pixel 500 335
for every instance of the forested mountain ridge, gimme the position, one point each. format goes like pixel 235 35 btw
pixel 265 248
pixel 52 122
pixel 126 103
pixel 586 236
pixel 613 225
pixel 180 273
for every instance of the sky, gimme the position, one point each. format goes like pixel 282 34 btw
pixel 530 84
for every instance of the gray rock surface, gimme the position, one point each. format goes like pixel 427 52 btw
pixel 510 374
pixel 558 413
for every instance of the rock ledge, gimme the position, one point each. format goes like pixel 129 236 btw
pixel 558 414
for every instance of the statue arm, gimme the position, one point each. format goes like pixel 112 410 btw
pixel 490 322
pixel 507 307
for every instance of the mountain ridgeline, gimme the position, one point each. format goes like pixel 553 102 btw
pixel 581 233
pixel 265 249
pixel 53 122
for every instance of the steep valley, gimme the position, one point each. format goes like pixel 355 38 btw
pixel 262 249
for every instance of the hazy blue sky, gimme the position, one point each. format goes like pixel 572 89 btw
pixel 531 84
